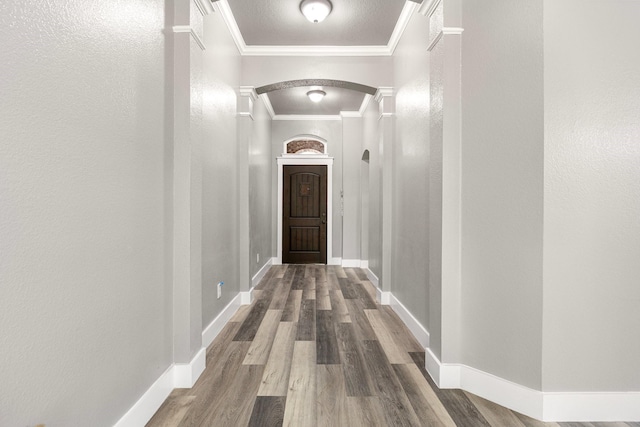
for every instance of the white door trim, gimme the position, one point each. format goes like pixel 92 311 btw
pixel 300 159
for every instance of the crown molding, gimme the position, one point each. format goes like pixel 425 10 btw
pixel 427 8
pixel 405 16
pixel 260 50
pixel 204 6
pixel 300 117
pixel 229 20
pixel 267 103
pixel 350 114
pixel 365 103
pixel 190 30
pixel 315 51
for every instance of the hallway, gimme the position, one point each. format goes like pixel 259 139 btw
pixel 314 348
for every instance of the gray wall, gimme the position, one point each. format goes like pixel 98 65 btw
pixel 592 196
pixel 220 181
pixel 370 141
pixel 84 297
pixel 351 185
pixel 331 131
pixel 502 188
pixel 261 166
pixel 410 263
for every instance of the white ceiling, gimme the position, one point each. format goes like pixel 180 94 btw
pixel 351 23
pixel 271 26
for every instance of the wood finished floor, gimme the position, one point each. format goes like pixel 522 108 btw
pixel 314 349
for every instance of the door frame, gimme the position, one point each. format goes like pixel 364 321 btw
pixel 302 159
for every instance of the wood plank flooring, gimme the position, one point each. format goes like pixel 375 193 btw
pixel 315 349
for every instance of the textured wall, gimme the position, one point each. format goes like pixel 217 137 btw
pixel 220 181
pixel 592 196
pixel 263 70
pixel 83 304
pixel 351 170
pixel 410 251
pixel 370 141
pixel 502 188
pixel 261 166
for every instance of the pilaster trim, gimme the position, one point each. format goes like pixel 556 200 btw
pixel 383 92
pixel 248 91
pixel 452 30
pixel 446 31
pixel 435 41
pixel 190 30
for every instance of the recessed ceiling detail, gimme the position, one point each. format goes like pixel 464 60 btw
pixel 316 82
pixel 351 23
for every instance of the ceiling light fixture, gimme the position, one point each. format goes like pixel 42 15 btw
pixel 315 10
pixel 316 95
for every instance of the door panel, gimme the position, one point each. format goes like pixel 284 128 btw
pixel 304 214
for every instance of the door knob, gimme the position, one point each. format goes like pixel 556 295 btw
pixel 324 218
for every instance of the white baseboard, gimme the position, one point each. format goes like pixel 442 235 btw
pixel 364 264
pixel 262 272
pixel 334 261
pixel 351 263
pixel 544 406
pixel 592 406
pixel 142 411
pixel 384 298
pixel 179 375
pixel 185 375
pixel 416 328
pixel 372 277
pixel 214 328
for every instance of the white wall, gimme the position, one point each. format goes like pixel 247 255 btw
pixel 502 189
pixel 84 297
pixel 410 271
pixel 220 260
pixel 591 196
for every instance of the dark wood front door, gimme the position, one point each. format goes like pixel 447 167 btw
pixel 304 230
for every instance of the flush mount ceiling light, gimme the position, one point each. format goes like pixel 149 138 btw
pixel 315 10
pixel 316 95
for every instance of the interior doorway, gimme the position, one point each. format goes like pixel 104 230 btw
pixel 304 208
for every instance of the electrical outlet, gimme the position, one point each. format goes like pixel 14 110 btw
pixel 220 289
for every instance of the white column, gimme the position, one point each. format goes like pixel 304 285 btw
pixel 386 122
